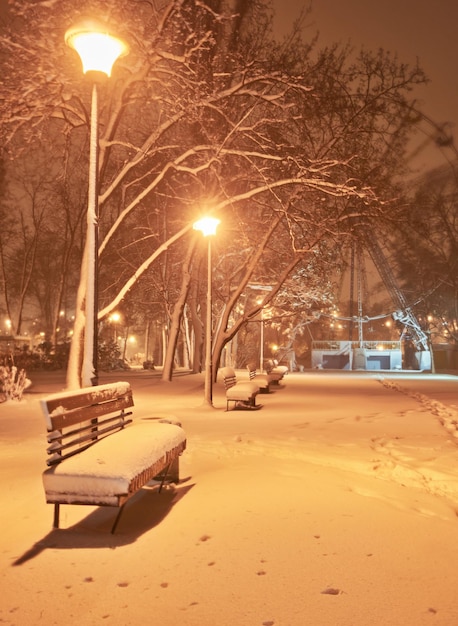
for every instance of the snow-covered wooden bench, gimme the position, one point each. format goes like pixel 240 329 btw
pixel 275 371
pixel 98 455
pixel 262 380
pixel 242 394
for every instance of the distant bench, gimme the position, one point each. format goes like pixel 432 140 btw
pixel 242 394
pixel 87 465
pixel 262 380
pixel 275 371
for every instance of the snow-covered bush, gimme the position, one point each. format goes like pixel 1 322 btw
pixel 12 382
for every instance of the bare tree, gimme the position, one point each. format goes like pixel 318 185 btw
pixel 427 268
pixel 208 112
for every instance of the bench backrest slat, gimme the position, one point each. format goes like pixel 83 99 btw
pixel 89 412
pixel 251 367
pixel 59 440
pixel 73 418
pixel 60 452
pixel 229 377
pixel 64 410
pixel 229 382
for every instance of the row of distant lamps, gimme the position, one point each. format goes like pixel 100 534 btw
pixel 98 50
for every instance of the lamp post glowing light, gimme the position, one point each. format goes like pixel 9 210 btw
pixel 98 51
pixel 114 319
pixel 96 47
pixel 208 226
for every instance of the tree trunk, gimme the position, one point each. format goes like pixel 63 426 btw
pixel 75 359
pixel 175 323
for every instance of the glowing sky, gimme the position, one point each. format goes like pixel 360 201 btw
pixel 410 28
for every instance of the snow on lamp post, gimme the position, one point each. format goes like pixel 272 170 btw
pixel 208 226
pixel 98 51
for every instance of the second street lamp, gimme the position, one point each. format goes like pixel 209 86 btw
pixel 208 226
pixel 98 51
pixel 261 338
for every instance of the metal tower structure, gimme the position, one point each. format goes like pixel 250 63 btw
pixel 404 313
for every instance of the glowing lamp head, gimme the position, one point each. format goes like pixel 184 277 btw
pixel 97 49
pixel 207 225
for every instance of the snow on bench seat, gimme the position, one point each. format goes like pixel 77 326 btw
pixel 108 470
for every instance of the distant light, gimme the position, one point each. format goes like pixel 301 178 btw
pixel 97 49
pixel 207 225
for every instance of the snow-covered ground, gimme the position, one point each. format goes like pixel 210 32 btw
pixel 335 504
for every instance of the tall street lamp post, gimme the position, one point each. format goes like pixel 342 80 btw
pixel 208 226
pixel 260 300
pixel 261 339
pixel 98 51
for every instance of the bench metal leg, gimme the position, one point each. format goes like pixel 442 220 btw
pixel 118 516
pixel 170 474
pixel 164 476
pixel 56 516
pixel 173 471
